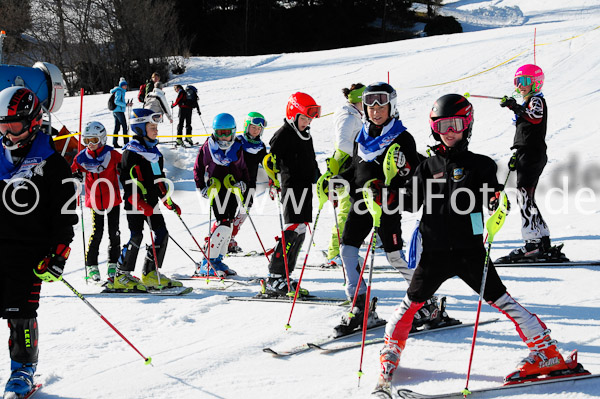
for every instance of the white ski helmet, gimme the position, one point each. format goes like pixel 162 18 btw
pixel 94 130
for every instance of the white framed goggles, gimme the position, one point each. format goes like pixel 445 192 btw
pixel 376 97
pixel 152 118
pixel 91 140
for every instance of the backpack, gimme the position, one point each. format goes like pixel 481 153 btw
pixel 191 94
pixel 142 93
pixel 111 102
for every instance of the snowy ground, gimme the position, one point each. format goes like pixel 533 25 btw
pixel 206 347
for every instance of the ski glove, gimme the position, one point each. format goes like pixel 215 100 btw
pixel 512 162
pixel 204 192
pixel 241 185
pixel 511 104
pixel 51 267
pixel 141 205
pixel 170 205
pixel 78 175
pixel 495 202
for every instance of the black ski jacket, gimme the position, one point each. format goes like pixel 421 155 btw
pixel 531 126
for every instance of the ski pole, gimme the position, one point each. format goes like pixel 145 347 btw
pixel 332 164
pixel 147 360
pixel 83 234
pixel 201 120
pixel 375 211
pixel 185 252
pixel 154 252
pixel 238 192
pixel 199 247
pixel 288 326
pixel 493 225
pixel 467 95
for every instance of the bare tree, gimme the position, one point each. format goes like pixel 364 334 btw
pixel 14 19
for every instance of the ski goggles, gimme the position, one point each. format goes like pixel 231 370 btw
pixel 91 140
pixel 377 97
pixel 14 128
pixel 522 81
pixel 313 111
pixel 456 124
pixel 257 121
pixel 221 133
pixel 153 118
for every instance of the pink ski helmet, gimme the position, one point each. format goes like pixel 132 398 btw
pixel 530 74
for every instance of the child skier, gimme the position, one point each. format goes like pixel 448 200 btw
pixel 141 167
pixel 292 148
pixel 453 243
pixel 220 155
pixel 37 214
pixel 529 160
pixel 254 153
pixel 99 163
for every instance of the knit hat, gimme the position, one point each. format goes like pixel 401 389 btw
pixel 122 82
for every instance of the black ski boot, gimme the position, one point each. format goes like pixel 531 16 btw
pixel 532 251
pixel 432 316
pixel 350 324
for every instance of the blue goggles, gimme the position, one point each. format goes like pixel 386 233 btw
pixel 257 121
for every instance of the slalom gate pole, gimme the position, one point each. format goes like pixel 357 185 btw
pixel 81 92
pixel 493 225
pixel 238 192
pixel 147 360
pixel 154 252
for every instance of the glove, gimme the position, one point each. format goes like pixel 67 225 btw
pixel 495 202
pixel 508 102
pixel 78 175
pixel 512 162
pixel 204 192
pixel 199 113
pixel 51 267
pixel 142 205
pixel 170 205
pixel 377 190
pixel 241 185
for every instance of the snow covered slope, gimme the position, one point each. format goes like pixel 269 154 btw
pixel 206 347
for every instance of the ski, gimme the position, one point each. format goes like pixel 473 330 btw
pixel 306 347
pixel 11 395
pixel 172 291
pixel 222 280
pixel 550 264
pixel 244 254
pixel 325 349
pixel 311 300
pixel 475 393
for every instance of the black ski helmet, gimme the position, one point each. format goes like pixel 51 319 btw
pixel 380 87
pixel 451 105
pixel 19 104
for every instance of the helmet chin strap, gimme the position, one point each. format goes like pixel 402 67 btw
pixel 9 145
pixel 293 125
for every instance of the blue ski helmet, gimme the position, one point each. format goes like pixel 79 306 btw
pixel 140 116
pixel 223 127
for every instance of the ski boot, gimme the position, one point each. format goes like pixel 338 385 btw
pixel 354 320
pixel 532 251
pixel 179 142
pixel 20 382
pixel 432 316
pixel 233 247
pixel 553 253
pixel 111 271
pixel 124 281
pixel 276 286
pixel 543 359
pixel 93 273
pixel 151 280
pixel 189 141
pixel 389 358
pixel 206 270
pixel 334 262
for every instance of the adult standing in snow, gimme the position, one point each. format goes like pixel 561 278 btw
pixel 157 102
pixel 220 155
pixel 529 160
pixel 254 153
pixel 119 112
pixel 447 184
pixel 347 123
pixel 100 164
pixel 141 171
pixel 381 130
pixel 37 214
pixel 292 147
pixel 186 106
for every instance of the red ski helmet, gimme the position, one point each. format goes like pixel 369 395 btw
pixel 301 103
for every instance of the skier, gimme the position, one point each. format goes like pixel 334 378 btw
pixel 381 130
pixel 185 114
pixel 220 155
pixel 38 213
pixel 99 162
pixel 119 112
pixel 141 171
pixel 529 160
pixel 254 153
pixel 292 147
pixel 347 123
pixel 157 102
pixel 453 242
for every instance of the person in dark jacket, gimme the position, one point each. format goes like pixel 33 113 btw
pixel 119 112
pixel 254 153
pixel 186 107
pixel 453 187
pixel 294 154
pixel 529 160
pixel 143 188
pixel 100 164
pixel 37 214
pixel 381 130
pixel 221 155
